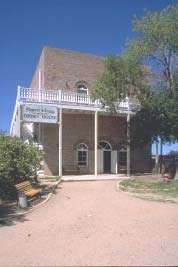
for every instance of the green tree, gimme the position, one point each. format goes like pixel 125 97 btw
pixel 122 77
pixel 156 45
pixel 149 69
pixel 157 119
pixel 18 161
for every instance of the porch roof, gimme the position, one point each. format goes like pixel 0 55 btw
pixel 70 102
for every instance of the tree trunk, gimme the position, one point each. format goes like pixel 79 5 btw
pixel 176 175
pixel 157 158
pixel 161 155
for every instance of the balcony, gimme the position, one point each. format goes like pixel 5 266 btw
pixel 67 100
pixel 55 97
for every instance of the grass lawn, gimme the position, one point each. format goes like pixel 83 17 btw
pixel 150 186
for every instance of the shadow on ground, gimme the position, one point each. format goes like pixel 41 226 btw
pixel 11 214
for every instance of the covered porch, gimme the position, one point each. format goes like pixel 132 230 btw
pixel 84 143
pixel 35 102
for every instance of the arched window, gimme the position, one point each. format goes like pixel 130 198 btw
pixel 82 154
pixel 104 145
pixel 82 89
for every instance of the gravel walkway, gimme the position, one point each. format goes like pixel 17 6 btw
pixel 91 223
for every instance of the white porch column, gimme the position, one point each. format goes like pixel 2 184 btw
pixel 128 144
pixel 96 143
pixel 39 99
pixel 60 142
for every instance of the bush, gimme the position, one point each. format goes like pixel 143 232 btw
pixel 18 161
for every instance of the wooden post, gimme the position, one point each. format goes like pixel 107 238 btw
pixel 60 142
pixel 96 143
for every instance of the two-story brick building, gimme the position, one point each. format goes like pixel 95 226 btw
pixel 85 138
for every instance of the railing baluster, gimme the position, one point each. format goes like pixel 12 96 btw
pixel 49 96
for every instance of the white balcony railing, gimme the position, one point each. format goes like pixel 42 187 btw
pixel 58 97
pixel 55 97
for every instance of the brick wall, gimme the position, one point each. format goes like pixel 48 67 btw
pixel 63 69
pixel 79 128
pixel 35 80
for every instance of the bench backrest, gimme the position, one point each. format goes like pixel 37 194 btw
pixel 24 186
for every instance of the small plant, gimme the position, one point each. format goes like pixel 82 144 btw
pixel 18 161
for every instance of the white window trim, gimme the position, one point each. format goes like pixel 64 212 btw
pixel 104 141
pixel 81 149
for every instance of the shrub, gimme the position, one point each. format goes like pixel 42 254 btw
pixel 18 161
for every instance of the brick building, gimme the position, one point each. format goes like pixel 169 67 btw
pixel 85 138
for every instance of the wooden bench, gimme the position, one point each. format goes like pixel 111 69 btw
pixel 28 189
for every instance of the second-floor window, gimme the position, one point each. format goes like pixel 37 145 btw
pixel 82 89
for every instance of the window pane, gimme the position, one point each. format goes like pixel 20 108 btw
pixel 82 91
pixel 82 158
pixel 123 158
pixel 79 155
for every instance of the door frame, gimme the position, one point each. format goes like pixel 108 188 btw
pixel 106 161
pixel 106 148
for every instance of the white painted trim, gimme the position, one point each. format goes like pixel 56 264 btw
pixel 86 150
pixel 96 142
pixel 107 143
pixel 82 89
pixel 60 142
pixel 114 161
pixel 17 104
pixel 70 100
pixel 100 161
pixel 128 144
pixel 63 106
pixel 91 106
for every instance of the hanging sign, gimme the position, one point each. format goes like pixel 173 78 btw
pixel 40 113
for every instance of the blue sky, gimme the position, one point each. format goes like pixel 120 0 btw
pixel 95 26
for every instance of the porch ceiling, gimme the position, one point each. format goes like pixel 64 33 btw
pixel 103 113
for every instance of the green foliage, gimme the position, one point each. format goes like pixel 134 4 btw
pixel 17 162
pixel 148 69
pixel 122 76
pixel 158 118
pixel 157 44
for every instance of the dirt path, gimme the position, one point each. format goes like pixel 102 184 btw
pixel 91 223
